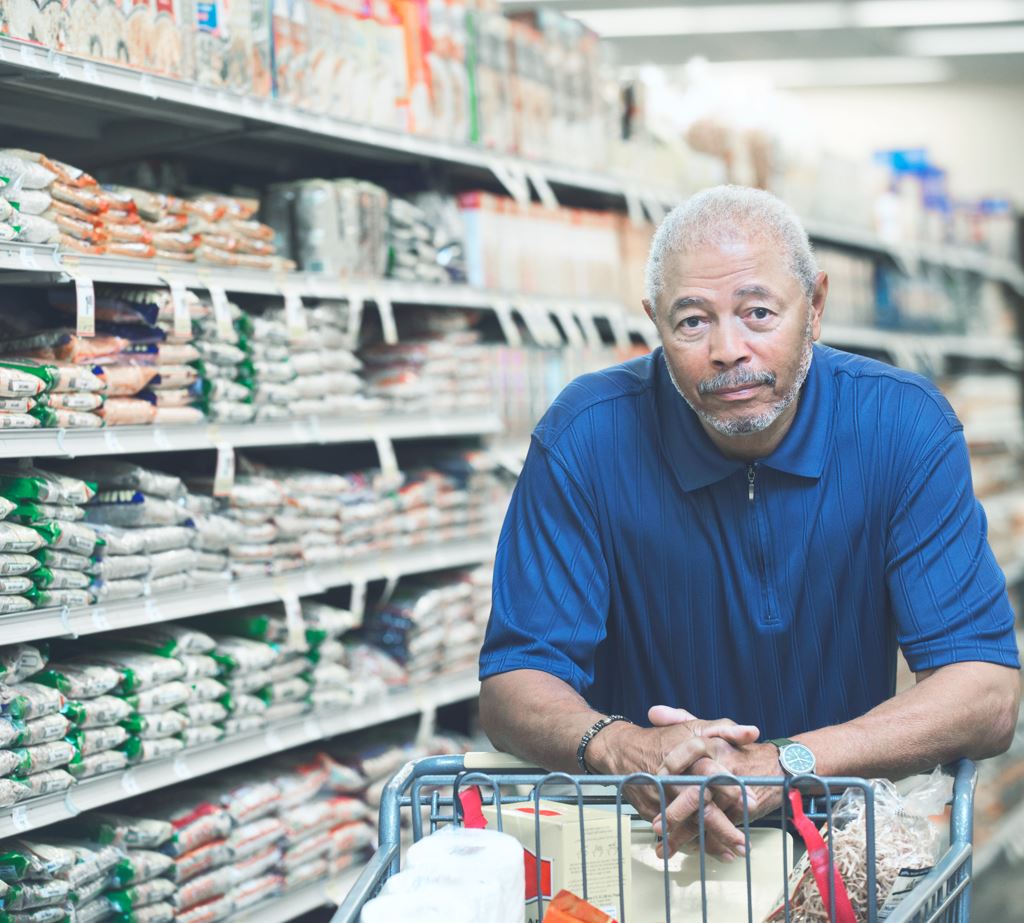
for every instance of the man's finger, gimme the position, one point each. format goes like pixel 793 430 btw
pixel 721 837
pixel 679 760
pixel 665 716
pixel 736 734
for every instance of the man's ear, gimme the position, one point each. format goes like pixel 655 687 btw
pixel 818 303
pixel 649 310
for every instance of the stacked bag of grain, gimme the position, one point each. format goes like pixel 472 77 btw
pixel 413 254
pixel 48 392
pixel 224 364
pixel 33 752
pixel 440 367
pixel 49 506
pixel 229 235
pixel 272 373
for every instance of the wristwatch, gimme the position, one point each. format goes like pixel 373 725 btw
pixel 796 759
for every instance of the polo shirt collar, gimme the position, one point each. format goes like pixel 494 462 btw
pixel 696 460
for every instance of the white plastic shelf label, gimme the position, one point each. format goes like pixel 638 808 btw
pixel 386 453
pixel 182 315
pixel 295 621
pixel 513 177
pixel 591 333
pixel 19 818
pixel 570 326
pixel 355 318
pixel 295 316
pixel 543 187
pixel 509 329
pixel 635 209
pixel 85 311
pixel 27 256
pixel 224 474
pixel 130 782
pixel 387 318
pixel 357 605
pixel 222 313
pixel 620 329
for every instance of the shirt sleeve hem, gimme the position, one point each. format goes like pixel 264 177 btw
pixel 934 660
pixel 494 666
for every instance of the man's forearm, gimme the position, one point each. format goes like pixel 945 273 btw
pixel 961 710
pixel 536 716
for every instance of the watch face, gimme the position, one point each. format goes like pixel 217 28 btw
pixel 797 759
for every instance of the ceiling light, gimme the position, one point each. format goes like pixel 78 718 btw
pixel 837 72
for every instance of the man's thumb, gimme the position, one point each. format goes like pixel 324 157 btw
pixel 665 716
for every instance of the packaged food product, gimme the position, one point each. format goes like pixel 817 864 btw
pixel 99 763
pixel 11 763
pixel 243 705
pixel 26 859
pixel 15 539
pixel 95 740
pixel 171 583
pixel 20 661
pixel 27 701
pixel 145 751
pixel 204 888
pixel 132 508
pixel 42 757
pixel 120 541
pixel 166 563
pixel 138 671
pixel 14 565
pixel 12 791
pixel 198 735
pixel 93 860
pixel 110 829
pixel 43 730
pixel 10 604
pixel 152 913
pixel 127 411
pixel 44 486
pixel 255 837
pixel 302 873
pixel 291 690
pixel 140 865
pixel 56 914
pixel 20 383
pixel 10 733
pixel 353 837
pixel 239 655
pixel 142 894
pixel 103 711
pixel 203 712
pixel 94 911
pixel 201 860
pixel 54 599
pixel 156 725
pixel 47 782
pixel 168 640
pixel 66 536
pixel 79 680
pixel 88 892
pixel 211 912
pixel 64 560
pixel 254 890
pixel 311 848
pixel 160 698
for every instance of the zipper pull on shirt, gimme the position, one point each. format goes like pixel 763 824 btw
pixel 751 475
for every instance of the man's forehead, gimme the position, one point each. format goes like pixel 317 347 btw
pixel 749 268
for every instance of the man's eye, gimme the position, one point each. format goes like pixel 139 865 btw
pixel 691 322
pixel 761 313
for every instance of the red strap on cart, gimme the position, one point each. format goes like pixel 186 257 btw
pixel 817 853
pixel 471 803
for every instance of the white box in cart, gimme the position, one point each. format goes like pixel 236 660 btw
pixel 560 852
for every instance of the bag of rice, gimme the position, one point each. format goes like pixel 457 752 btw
pixel 64 560
pixel 112 474
pixel 97 740
pixel 15 565
pixel 252 891
pixel 248 683
pixel 15 539
pixel 27 701
pixel 45 487
pixel 20 661
pixel 141 865
pixel 243 705
pixel 12 604
pixel 168 640
pixel 240 655
pixel 199 735
pixel 27 512
pixel 255 837
pixel 156 725
pixel 120 541
pixel 152 913
pixel 31 859
pixel 138 671
pixel 200 860
pixel 57 599
pixel 76 537
pixel 93 860
pixel 291 690
pixel 160 698
pixel 200 666
pixel 32 894
pixel 143 894
pixel 219 908
pixel 79 680
pixel 120 567
pixel 199 713
pixel 109 829
pixel 204 888
pixel 98 763
pixel 132 509
pixel 88 892
pixel 145 751
pixel 103 711
pixel 15 586
pixel 106 591
pixel 43 757
pixel 43 730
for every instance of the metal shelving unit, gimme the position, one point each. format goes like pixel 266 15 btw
pixel 40 443
pixel 198 761
pixel 37 624
pixel 300 901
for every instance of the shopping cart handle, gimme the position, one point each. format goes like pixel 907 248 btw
pixel 484 760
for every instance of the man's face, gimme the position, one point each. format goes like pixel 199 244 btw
pixel 737 331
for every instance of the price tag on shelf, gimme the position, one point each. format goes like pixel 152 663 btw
pixel 513 178
pixel 19 818
pixel 655 210
pixel 295 621
pixel 99 619
pixel 112 441
pixel 60 65
pixel 635 209
pixel 620 329
pixel 147 87
pixel 355 318
pixel 312 729
pixel 295 316
pixel 89 72
pixel 70 808
pixel 509 329
pixel 543 187
pixel 130 782
pixel 390 585
pixel 27 57
pixel 85 311
pixel 569 326
pixel 387 319
pixel 160 439
pixel 234 596
pixel 27 256
pixel 591 333
pixel 151 609
pixel 182 314
pixel 357 605
pixel 272 741
pixel 180 767
pixel 65 623
pixel 224 474
pixel 386 453
pixel 222 313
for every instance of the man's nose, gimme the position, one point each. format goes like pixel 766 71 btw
pixel 727 346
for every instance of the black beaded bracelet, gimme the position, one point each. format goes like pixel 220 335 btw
pixel 591 734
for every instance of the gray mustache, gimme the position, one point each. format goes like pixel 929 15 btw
pixel 738 379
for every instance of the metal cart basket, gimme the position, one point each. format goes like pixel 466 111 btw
pixel 426 794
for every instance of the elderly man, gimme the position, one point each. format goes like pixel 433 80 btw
pixel 727 539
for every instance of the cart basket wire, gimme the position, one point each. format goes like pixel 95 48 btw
pixel 428 790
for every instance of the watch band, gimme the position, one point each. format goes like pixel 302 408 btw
pixel 781 742
pixel 590 734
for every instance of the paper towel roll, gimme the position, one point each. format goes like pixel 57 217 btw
pixel 456 874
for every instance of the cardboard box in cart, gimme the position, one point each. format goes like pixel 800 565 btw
pixel 561 850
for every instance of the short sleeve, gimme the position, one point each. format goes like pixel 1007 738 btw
pixel 946 589
pixel 550 593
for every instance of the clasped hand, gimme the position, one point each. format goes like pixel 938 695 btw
pixel 680 744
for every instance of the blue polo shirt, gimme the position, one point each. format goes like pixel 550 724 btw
pixel 634 565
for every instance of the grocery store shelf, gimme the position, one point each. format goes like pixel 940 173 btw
pixel 1009 833
pixel 38 73
pixel 51 623
pixel 910 255
pixel 198 761
pixel 925 350
pixel 299 901
pixel 38 443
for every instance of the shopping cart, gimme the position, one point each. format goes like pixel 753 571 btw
pixel 428 794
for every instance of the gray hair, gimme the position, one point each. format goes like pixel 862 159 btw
pixel 723 214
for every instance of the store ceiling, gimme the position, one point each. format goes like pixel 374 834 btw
pixel 817 42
